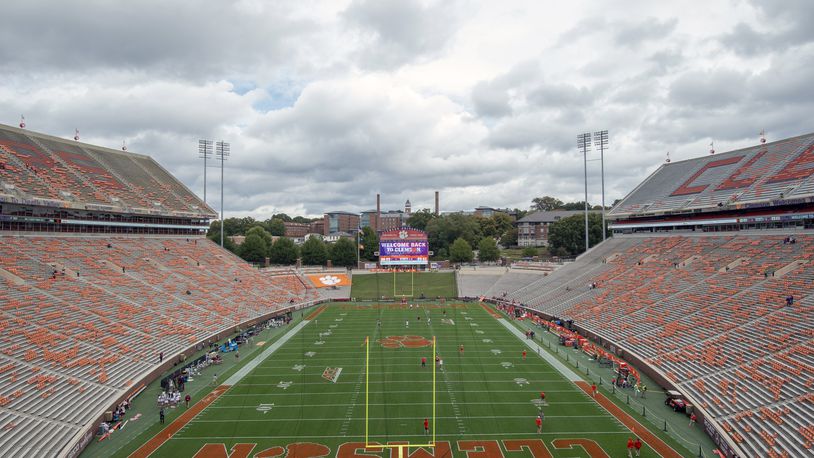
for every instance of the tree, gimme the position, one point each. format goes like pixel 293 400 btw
pixel 509 238
pixel 546 203
pixel 343 252
pixel 442 231
pixel 284 251
pixel 370 244
pixel 253 249
pixel 282 217
pixel 261 231
pixel 461 251
pixel 420 219
pixel 529 252
pixel 227 242
pixel 488 250
pixel 275 226
pixel 302 219
pixel 572 206
pixel 569 233
pixel 314 252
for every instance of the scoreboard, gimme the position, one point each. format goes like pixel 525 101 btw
pixel 403 247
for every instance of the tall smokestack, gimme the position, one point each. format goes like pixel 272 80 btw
pixel 437 209
pixel 378 211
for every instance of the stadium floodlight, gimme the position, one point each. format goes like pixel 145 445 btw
pixel 221 152
pixel 584 144
pixel 205 153
pixel 601 142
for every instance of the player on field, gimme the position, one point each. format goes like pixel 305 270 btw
pixel 426 426
pixel 423 361
pixel 593 389
pixel 539 422
pixel 524 355
pixel 461 349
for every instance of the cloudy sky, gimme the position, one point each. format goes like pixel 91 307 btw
pixel 327 103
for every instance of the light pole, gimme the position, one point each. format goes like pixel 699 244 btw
pixel 584 143
pixel 601 142
pixel 221 151
pixel 204 152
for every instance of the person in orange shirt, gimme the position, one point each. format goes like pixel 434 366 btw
pixel 461 349
pixel 630 447
pixel 637 445
pixel 524 355
pixel 593 389
pixel 539 422
pixel 426 426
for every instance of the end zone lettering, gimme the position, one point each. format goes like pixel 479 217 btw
pixel 471 448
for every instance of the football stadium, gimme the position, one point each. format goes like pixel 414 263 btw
pixel 126 332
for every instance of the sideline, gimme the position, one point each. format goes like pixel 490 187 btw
pixel 554 362
pixel 167 433
pixel 658 445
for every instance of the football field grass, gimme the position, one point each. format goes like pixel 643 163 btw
pixel 487 396
pixel 410 284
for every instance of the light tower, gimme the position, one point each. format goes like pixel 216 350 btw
pixel 584 144
pixel 221 152
pixel 601 142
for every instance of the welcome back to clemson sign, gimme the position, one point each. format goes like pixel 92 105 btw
pixel 405 246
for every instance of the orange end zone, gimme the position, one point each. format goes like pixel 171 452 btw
pixel 165 434
pixel 635 427
pixel 315 312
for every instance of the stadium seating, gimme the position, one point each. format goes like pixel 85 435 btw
pixel 775 170
pixel 82 319
pixel 709 312
pixel 35 166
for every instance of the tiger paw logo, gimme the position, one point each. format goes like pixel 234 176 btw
pixel 329 280
pixel 405 342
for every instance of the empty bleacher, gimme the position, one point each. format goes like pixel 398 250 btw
pixel 709 312
pixel 76 175
pixel 83 318
pixel 776 170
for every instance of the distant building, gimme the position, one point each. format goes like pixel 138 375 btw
pixel 488 212
pixel 340 221
pixel 293 229
pixel 333 237
pixel 392 219
pixel 317 227
pixel 532 230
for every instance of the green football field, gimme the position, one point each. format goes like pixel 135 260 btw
pixel 408 284
pixel 486 397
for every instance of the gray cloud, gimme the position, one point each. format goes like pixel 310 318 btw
pixel 395 32
pixel 787 23
pixel 326 104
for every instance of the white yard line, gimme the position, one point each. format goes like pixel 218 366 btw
pixel 554 362
pixel 580 433
pixel 390 418
pixel 243 371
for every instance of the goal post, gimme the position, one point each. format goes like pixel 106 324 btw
pixel 406 445
pixel 400 292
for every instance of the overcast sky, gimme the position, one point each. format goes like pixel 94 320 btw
pixel 327 103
